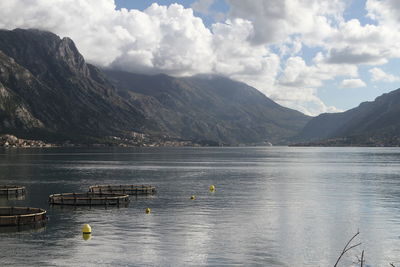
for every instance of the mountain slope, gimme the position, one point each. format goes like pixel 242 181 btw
pixel 66 95
pixel 208 108
pixel 377 122
pixel 14 112
pixel 48 90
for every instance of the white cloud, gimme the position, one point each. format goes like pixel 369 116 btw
pixel 353 83
pixel 298 83
pixel 353 43
pixel 297 73
pixel 202 6
pixel 205 7
pixel 164 39
pixel 291 48
pixel 274 20
pixel 384 11
pixel 262 42
pixel 159 39
pixel 237 57
pixel 378 74
pixel 305 100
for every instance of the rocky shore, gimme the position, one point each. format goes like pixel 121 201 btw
pixel 133 140
pixel 11 141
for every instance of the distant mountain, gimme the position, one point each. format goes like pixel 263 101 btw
pixel 371 123
pixel 207 107
pixel 48 91
pixel 47 88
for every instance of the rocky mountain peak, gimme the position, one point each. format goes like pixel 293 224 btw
pixel 68 53
pixel 36 50
pixel 51 85
pixel 47 77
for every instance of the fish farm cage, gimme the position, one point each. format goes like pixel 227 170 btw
pixel 124 189
pixel 17 216
pixel 89 199
pixel 11 190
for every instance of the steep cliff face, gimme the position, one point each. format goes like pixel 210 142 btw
pixel 14 111
pixel 59 89
pixel 47 88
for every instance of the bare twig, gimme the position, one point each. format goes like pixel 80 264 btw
pixel 391 264
pixel 362 258
pixel 347 248
pixel 356 245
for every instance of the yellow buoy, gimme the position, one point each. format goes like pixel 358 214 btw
pixel 86 229
pixel 148 210
pixel 86 237
pixel 193 197
pixel 212 188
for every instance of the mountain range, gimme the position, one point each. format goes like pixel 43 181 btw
pixel 375 123
pixel 207 107
pixel 48 91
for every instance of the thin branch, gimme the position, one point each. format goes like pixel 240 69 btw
pixel 362 258
pixel 391 264
pixel 351 239
pixel 347 248
pixel 356 245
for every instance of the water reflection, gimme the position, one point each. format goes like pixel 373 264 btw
pixel 273 206
pixel 4 200
pixel 29 228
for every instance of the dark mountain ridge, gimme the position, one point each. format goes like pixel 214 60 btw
pixel 68 96
pixel 47 90
pixel 371 123
pixel 208 107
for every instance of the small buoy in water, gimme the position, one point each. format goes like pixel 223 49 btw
pixel 212 188
pixel 193 197
pixel 86 237
pixel 86 229
pixel 148 210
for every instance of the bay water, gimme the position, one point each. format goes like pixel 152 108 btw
pixel 273 206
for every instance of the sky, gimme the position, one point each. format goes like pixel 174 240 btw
pixel 315 56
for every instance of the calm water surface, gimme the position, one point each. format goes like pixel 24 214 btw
pixel 274 206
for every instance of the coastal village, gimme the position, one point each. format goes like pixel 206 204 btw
pixel 11 141
pixel 137 140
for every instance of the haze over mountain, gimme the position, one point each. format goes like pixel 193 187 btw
pixel 371 123
pixel 47 90
pixel 208 107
